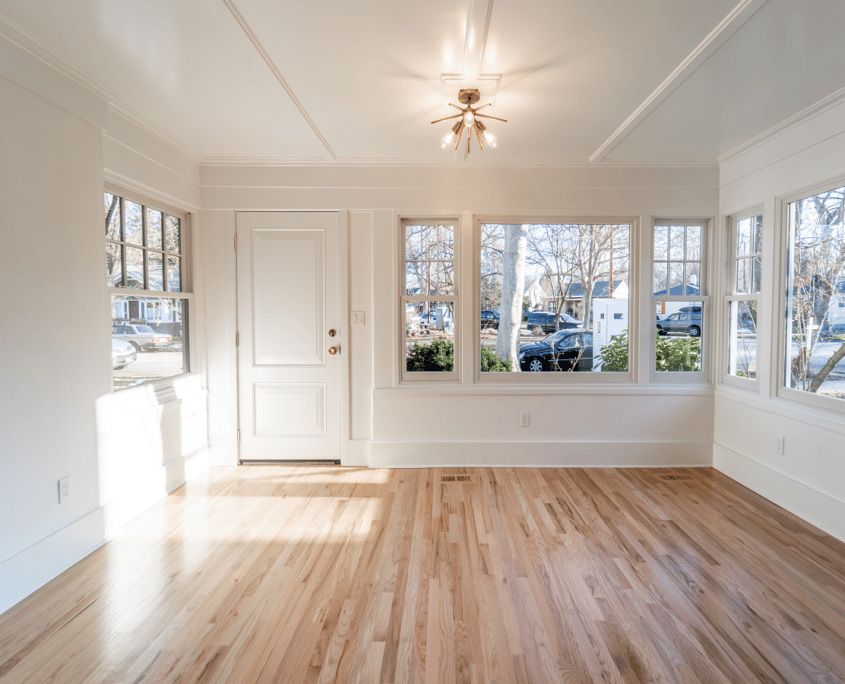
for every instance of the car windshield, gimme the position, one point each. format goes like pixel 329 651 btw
pixel 144 329
pixel 569 319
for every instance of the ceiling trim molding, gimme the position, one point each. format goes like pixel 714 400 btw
pixel 38 48
pixel 389 162
pixel 714 40
pixel 785 126
pixel 278 75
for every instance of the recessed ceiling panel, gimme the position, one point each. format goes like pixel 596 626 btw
pixel 786 58
pixel 181 66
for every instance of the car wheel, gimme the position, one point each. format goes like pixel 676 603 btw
pixel 694 331
pixel 536 365
pixel 136 345
pixel 661 331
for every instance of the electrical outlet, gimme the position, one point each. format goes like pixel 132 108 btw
pixel 524 419
pixel 65 489
pixel 779 444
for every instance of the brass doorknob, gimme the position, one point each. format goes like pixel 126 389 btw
pixel 332 350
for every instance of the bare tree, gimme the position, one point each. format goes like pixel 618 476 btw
pixel 513 286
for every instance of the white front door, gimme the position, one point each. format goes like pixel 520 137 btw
pixel 288 325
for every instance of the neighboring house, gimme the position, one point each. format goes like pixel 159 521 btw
pixel 573 302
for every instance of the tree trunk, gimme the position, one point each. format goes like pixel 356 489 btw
pixel 825 371
pixel 513 286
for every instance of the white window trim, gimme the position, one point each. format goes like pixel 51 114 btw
pixel 186 293
pixel 684 377
pixel 438 377
pixel 564 379
pixel 728 339
pixel 828 405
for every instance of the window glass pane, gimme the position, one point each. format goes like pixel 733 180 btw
pixel 693 243
pixel 743 238
pixel 661 243
pixel 430 336
pixel 114 265
pixel 661 270
pixel 742 359
pixel 676 279
pixel 557 258
pixel 132 223
pixel 154 238
pixel 815 360
pixel 155 271
pixel 414 237
pixel 743 277
pixel 676 243
pixel 135 267
pixel 148 340
pixel 444 245
pixel 679 328
pixel 172 234
pixel 693 271
pixel 440 276
pixel 174 273
pixel 757 234
pixel 756 268
pixel 414 278
pixel 112 217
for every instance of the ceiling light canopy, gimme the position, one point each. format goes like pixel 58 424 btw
pixel 469 119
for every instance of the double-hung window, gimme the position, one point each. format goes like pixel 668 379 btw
pixel 814 362
pixel 679 295
pixel 428 300
pixel 743 293
pixel 149 290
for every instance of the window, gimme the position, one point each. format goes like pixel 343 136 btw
pixel 679 296
pixel 145 274
pixel 553 299
pixel 428 300
pixel 743 292
pixel 815 324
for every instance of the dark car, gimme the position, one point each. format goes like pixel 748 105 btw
pixel 489 319
pixel 564 350
pixel 684 322
pixel 546 321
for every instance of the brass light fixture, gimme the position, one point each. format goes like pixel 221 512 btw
pixel 469 119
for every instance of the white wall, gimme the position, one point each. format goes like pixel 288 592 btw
pixel 644 423
pixel 58 416
pixel 809 478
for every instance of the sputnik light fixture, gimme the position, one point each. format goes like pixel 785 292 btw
pixel 469 119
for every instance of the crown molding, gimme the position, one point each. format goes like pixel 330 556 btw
pixel 426 162
pixel 714 40
pixel 814 110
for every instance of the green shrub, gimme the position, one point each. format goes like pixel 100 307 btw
pixel 682 354
pixel 436 356
pixel 490 363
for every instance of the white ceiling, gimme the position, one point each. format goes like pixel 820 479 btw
pixel 331 81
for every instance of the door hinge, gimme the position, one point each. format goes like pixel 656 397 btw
pixel 237 339
pixel 236 243
pixel 239 436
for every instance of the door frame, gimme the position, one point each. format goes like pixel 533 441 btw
pixel 343 294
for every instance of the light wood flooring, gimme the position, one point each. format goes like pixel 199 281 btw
pixel 286 575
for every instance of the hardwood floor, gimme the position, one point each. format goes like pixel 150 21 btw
pixel 288 575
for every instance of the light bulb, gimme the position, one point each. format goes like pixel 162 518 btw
pixel 448 139
pixel 469 117
pixel 489 138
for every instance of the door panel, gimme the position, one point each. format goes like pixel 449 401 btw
pixel 288 300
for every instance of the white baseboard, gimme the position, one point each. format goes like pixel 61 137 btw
pixel 540 454
pixel 35 566
pixel 358 453
pixel 817 508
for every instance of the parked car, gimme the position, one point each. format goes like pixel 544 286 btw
pixel 489 319
pixel 122 353
pixel 546 321
pixel 684 322
pixel 142 337
pixel 564 350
